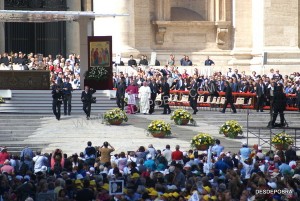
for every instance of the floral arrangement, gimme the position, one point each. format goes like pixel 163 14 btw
pixel 115 114
pixel 2 100
pixel 159 125
pixel 231 128
pixel 282 138
pixel 202 139
pixel 180 114
pixel 97 73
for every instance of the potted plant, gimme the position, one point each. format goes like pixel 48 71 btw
pixel 202 141
pixel 115 116
pixel 159 129
pixel 231 129
pixel 98 78
pixel 282 141
pixel 182 117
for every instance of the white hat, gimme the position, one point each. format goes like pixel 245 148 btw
pixel 276 156
pixel 244 143
pixel 259 148
pixel 296 176
pixel 149 156
pixel 79 176
pixel 27 177
pixel 184 153
pixel 187 166
pixel 44 168
pixel 19 177
pixel 92 169
pixel 272 185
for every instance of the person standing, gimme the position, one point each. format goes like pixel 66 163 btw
pixel 132 62
pixel 105 151
pixel 90 154
pixel 260 94
pixel 193 96
pixel 228 97
pixel 165 95
pixel 86 98
pixel 144 95
pixel 279 104
pixel 57 96
pixel 132 91
pixel 120 94
pixel 67 89
pixel 154 89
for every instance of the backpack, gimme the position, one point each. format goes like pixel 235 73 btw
pixel 57 168
pixel 23 169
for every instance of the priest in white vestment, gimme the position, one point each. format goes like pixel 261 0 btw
pixel 144 95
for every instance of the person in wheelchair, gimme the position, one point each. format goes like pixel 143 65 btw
pixel 279 105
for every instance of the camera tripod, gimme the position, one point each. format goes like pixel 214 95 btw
pixel 276 125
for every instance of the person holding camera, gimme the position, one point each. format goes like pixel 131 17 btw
pixel 57 96
pixel 87 99
pixel 279 104
pixel 67 89
pixel 105 151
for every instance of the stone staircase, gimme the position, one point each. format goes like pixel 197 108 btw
pixel 40 102
pixel 15 129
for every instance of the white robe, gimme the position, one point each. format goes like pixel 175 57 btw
pixel 144 95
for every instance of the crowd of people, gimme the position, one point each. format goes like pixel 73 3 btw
pixel 151 174
pixel 58 66
pixel 264 86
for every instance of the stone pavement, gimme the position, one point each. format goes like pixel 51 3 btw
pixel 72 133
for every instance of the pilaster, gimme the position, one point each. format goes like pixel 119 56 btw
pixel 72 35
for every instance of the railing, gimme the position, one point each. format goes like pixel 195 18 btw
pixel 264 134
pixel 235 96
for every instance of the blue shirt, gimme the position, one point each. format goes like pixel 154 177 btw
pixel 150 164
pixel 218 149
pixel 284 168
pixel 245 152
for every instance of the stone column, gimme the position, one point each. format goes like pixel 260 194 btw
pixel 167 10
pixel 84 24
pixel 211 10
pixel 2 31
pixel 242 14
pixel 223 10
pixel 159 9
pixel 217 11
pixel 72 29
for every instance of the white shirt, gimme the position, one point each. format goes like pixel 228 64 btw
pixel 39 162
pixel 167 153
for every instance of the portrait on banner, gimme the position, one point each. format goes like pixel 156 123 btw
pixel 100 53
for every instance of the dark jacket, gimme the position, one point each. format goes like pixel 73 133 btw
pixel 260 91
pixel 57 95
pixel 228 93
pixel 87 97
pixel 153 88
pixel 279 101
pixel 120 93
pixel 165 89
pixel 193 92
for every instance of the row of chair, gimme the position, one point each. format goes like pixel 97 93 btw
pixel 211 103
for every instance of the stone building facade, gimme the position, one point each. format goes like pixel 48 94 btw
pixel 251 33
pixel 242 33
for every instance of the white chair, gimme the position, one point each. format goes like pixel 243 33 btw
pixel 239 102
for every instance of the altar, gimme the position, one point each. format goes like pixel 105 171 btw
pixel 25 80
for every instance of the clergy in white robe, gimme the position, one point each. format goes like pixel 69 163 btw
pixel 144 95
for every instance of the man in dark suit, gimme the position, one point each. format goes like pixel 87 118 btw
pixel 279 104
pixel 67 89
pixel 120 94
pixel 132 62
pixel 228 97
pixel 193 96
pixel 86 98
pixel 57 96
pixel 165 71
pixel 59 80
pixel 154 89
pixel 165 95
pixel 260 94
